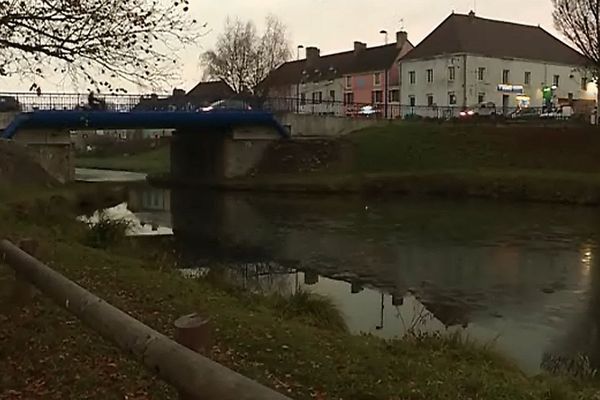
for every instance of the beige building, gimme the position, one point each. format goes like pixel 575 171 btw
pixel 468 60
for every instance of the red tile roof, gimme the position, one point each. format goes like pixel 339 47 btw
pixel 470 34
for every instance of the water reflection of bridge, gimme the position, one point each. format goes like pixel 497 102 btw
pixel 524 274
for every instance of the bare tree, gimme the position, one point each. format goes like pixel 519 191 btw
pixel 579 22
pixel 100 40
pixel 242 58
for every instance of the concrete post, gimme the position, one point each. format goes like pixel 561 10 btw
pixel 195 333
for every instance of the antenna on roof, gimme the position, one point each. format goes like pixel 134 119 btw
pixel 475 5
pixel 402 27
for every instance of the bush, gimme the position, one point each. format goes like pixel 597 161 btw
pixel 318 310
pixel 106 231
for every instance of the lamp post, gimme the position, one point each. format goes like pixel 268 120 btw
pixel 385 80
pixel 300 47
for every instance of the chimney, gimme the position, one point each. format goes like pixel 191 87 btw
pixel 359 47
pixel 312 56
pixel 472 14
pixel 401 39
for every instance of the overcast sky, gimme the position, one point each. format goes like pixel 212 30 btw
pixel 333 25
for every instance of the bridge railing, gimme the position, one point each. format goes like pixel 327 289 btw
pixel 27 102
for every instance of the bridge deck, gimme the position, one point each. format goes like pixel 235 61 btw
pixel 39 120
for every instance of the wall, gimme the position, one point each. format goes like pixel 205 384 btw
pixel 541 75
pixel 324 126
pixel 331 105
pixel 206 156
pixel 53 150
pixel 6 118
pixel 439 88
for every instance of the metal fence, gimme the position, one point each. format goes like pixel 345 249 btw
pixel 26 102
pixel 134 102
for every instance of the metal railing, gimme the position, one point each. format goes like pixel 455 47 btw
pixel 14 101
pixel 27 102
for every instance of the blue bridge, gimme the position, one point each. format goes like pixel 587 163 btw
pixel 206 144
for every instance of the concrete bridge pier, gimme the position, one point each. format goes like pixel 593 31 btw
pixel 53 151
pixel 209 155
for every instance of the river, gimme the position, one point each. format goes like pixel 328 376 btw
pixel 524 278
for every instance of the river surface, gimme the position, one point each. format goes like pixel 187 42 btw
pixel 522 277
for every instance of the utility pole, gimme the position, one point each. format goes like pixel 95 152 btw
pixel 300 47
pixel 385 80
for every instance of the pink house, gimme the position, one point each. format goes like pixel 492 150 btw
pixel 342 83
pixel 377 76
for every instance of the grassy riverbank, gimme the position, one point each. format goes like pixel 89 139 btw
pixel 152 161
pixel 47 354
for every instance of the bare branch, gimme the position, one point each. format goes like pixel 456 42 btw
pixel 100 40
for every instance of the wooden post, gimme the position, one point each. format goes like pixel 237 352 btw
pixel 195 333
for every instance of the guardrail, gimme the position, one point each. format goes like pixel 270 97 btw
pixel 195 376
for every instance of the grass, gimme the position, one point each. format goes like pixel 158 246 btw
pixel 318 310
pixel 417 147
pixel 48 354
pixel 153 161
pixel 106 232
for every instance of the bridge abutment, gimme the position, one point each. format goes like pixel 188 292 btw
pixel 213 155
pixel 53 150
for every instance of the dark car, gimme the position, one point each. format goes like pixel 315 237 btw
pixel 228 105
pixel 525 113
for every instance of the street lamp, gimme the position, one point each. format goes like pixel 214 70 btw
pixel 385 79
pixel 300 47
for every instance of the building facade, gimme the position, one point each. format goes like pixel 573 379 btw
pixel 469 61
pixel 339 84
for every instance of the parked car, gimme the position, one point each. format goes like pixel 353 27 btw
pixel 563 112
pixel 525 113
pixel 369 111
pixel 228 105
pixel 485 109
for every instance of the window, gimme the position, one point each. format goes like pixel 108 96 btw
pixel 348 81
pixel 584 84
pixel 377 79
pixel 481 98
pixel 317 97
pixel 429 75
pixel 377 96
pixel 506 76
pixel 394 96
pixel 452 98
pixel 412 100
pixel 570 96
pixel 412 77
pixel 348 98
pixel 430 100
pixel 332 95
pixel 302 99
pixel 527 79
pixel 481 73
pixel 556 80
pixel 451 73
